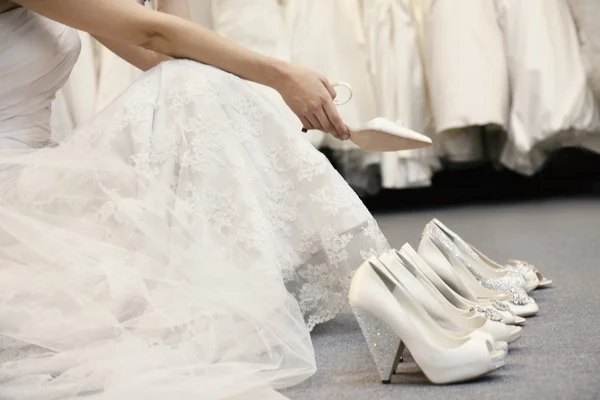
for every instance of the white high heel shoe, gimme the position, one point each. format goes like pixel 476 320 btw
pixel 443 358
pixel 483 268
pixel 402 264
pixel 534 279
pixel 444 323
pixel 449 318
pixel 381 134
pixel 508 282
pixel 491 309
pixel 450 264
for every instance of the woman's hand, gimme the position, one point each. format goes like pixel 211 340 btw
pixel 310 96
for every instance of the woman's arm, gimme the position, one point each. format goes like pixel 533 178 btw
pixel 307 93
pixel 145 59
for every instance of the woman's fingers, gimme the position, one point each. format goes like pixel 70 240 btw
pixel 337 126
pixel 314 122
pixel 322 114
pixel 326 123
pixel 336 120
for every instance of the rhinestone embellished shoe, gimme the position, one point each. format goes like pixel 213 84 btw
pixel 453 267
pixel 530 274
pixel 381 134
pixel 403 264
pixel 377 296
pixel 501 281
pixel 494 310
pixel 441 310
pixel 527 269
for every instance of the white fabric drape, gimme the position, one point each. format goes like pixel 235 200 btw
pixel 399 85
pixel 587 14
pixel 328 37
pixel 550 95
pixel 466 67
pixel 258 25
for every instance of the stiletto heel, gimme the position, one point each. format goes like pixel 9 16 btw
pixel 443 358
pixel 385 346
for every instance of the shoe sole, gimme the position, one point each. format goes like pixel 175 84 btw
pixel 516 335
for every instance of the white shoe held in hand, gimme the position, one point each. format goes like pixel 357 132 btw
pixel 381 134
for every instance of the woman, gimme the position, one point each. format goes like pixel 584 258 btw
pixel 183 242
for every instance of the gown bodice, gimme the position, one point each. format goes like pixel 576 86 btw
pixel 36 58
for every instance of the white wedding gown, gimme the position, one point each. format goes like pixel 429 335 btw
pixel 179 245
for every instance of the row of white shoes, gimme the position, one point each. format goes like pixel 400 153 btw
pixel 447 306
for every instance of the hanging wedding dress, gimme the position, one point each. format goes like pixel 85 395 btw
pixel 258 25
pixel 550 97
pixel 395 63
pixel 587 14
pixel 180 244
pixel 465 64
pixel 466 72
pixel 328 37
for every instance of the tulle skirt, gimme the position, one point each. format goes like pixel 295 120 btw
pixel 180 245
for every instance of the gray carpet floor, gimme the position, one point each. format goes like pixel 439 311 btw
pixel 558 356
